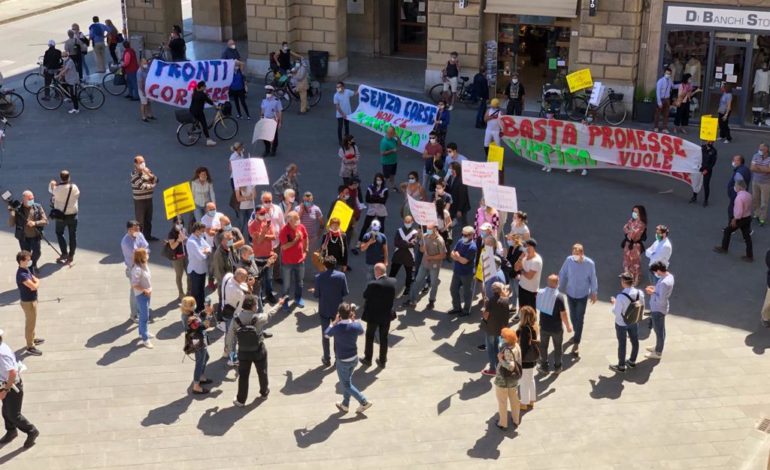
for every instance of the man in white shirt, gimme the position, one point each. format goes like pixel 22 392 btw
pixel 211 219
pixel 198 252
pixel 12 396
pixel 660 250
pixel 65 198
pixel 620 304
pixel 276 217
pixel 530 266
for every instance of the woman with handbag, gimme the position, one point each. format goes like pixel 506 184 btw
pixel 196 342
pixel 335 244
pixel 174 250
pixel 508 373
pixel 530 353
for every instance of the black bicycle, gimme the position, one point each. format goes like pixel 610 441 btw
pixel 612 108
pixel 114 81
pixel 52 97
pixel 464 93
pixel 189 131
pixel 35 80
pixel 11 103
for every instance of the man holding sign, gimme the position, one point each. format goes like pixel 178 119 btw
pixel 271 109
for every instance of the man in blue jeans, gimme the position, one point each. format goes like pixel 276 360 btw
pixel 578 279
pixel 331 287
pixel 659 295
pixel 462 272
pixel 620 304
pixel 345 330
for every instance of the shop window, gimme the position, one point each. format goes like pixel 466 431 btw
pixel 686 52
pixel 758 113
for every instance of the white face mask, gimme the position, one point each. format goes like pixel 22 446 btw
pixel 142 166
pixel 179 227
pixel 668 75
pixel 232 46
pixel 514 80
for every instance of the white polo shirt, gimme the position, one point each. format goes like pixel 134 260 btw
pixel 8 363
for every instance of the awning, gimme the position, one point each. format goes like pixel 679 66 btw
pixel 558 8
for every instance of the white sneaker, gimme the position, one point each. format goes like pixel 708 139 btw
pixel 73 111
pixel 451 107
pixel 544 168
pixel 726 141
pixel 342 407
pixel 210 143
pixel 147 344
pixel 231 363
pixel 584 172
pixel 653 355
pixel 364 407
pixel 150 335
pixel 650 349
pixel 570 170
pixel 238 404
pixel 548 170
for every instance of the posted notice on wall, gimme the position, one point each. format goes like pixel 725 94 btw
pixel 249 172
pixel 173 83
pixel 378 110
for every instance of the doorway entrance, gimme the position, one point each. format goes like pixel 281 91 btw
pixel 411 26
pixel 726 68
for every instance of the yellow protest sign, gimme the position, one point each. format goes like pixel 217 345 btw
pixel 496 155
pixel 708 128
pixel 343 212
pixel 580 80
pixel 178 200
pixel 479 273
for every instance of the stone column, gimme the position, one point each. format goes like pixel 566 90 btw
pixel 210 19
pixel 609 44
pixel 152 21
pixel 451 28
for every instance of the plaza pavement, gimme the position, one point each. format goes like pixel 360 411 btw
pixel 100 401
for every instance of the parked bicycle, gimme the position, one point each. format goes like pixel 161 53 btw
pixel 11 103
pixel 35 80
pixel 464 93
pixel 52 97
pixel 611 107
pixel 190 131
pixel 114 81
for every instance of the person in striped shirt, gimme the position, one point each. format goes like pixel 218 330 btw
pixel 143 183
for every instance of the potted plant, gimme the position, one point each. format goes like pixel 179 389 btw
pixel 644 105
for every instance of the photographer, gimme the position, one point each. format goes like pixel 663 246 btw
pixel 65 212
pixel 29 219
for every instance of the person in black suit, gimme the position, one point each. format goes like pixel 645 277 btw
pixel 378 310
pixel 708 160
pixel 459 192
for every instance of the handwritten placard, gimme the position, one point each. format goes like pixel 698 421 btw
pixel 479 174
pixel 423 212
pixel 174 82
pixel 178 200
pixel 249 172
pixel 502 198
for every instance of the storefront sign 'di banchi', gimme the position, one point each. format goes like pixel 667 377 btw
pixel 705 17
pixel 573 146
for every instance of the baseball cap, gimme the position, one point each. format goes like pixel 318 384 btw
pixel 375 223
pixel 626 276
pixel 132 223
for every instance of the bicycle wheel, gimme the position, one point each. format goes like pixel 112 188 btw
pixel 314 93
pixel 226 129
pixel 615 112
pixel 436 93
pixel 188 134
pixel 108 83
pixel 54 99
pixel 284 97
pixel 11 104
pixel 91 97
pixel 269 77
pixel 577 108
pixel 33 82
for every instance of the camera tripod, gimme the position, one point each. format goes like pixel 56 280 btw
pixel 42 235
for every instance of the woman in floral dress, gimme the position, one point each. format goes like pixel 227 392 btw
pixel 635 232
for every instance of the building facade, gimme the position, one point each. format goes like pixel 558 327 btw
pixel 625 43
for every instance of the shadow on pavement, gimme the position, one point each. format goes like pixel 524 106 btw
pixel 9 297
pixel 307 322
pixel 322 431
pixel 759 340
pixel 116 353
pixel 170 413
pixel 11 455
pixel 612 387
pixel 305 383
pixel 486 447
pixel 111 335
pixel 112 258
pixel 216 421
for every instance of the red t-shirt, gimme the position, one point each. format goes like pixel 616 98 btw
pixel 264 248
pixel 296 253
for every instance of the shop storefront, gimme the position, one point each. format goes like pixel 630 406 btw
pixel 718 47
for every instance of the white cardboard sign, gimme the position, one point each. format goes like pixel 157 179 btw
pixel 249 172
pixel 479 174
pixel 423 212
pixel 264 129
pixel 502 198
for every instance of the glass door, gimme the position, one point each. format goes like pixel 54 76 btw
pixel 728 59
pixel 412 27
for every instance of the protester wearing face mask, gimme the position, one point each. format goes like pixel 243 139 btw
pixel 463 255
pixel 231 51
pixel 492 118
pixel 223 257
pixel 348 196
pixel 312 218
pixel 486 214
pixel 145 108
pixel 132 241
pixel 578 279
pixel 263 235
pixel 335 244
pixel 635 233
pixel 198 252
pixel 212 219
pixel 708 161
pixel 276 217
pixel 28 285
pixel 441 122
pixel 663 95
pixel 349 157
pixel 245 195
pixel 659 294
pixel 376 197
pixel 375 246
pixel 176 239
pixel 414 189
pixel 196 343
pixel 723 113
pixel 343 109
pixel 741 220
pixel 294 249
pixel 143 183
pixel 285 56
pixel 227 227
pixel 432 153
pixel 530 268
pixel 740 173
pixel 433 249
pixel 515 93
pixel 271 109
pixel 405 240
pixel 237 91
pixel 28 221
pixel 660 250
pixel 202 191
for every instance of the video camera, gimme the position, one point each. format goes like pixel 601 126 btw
pixel 13 204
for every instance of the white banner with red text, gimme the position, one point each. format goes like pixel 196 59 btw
pixel 174 82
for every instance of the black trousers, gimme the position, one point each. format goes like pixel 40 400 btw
pixel 113 54
pixel 78 60
pixel 409 270
pixel 724 127
pixel 143 214
pixel 48 78
pixel 340 123
pixel 706 188
pixel 271 147
pixel 239 98
pixel 744 225
pixel 245 360
pixel 371 329
pixel 12 411
pixel 526 297
pixel 198 289
pixel 201 118
pixel 33 246
pixel 73 92
pixel 514 107
pixel 70 222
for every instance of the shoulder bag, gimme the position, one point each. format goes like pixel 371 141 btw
pixel 57 214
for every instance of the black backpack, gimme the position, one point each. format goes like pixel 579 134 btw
pixel 633 313
pixel 249 339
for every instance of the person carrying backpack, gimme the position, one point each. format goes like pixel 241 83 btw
pixel 247 327
pixel 628 308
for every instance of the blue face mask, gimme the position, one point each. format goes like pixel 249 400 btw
pixel 634 215
pixel 30 203
pixel 228 228
pixel 657 276
pixel 211 213
pixel 251 258
pixel 428 231
pixel 307 203
pixel 230 242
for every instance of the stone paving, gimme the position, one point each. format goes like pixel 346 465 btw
pixel 100 401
